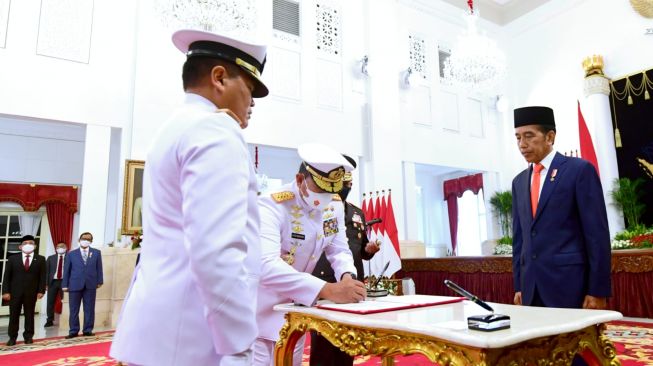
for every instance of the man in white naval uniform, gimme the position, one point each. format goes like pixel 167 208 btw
pixel 299 222
pixel 193 296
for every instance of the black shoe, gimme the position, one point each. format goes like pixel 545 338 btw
pixel 29 341
pixel 48 324
pixel 88 334
pixel 69 336
pixel 11 342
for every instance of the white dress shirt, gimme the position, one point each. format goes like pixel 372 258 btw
pixel 31 258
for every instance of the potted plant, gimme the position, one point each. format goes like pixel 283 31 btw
pixel 501 202
pixel 626 195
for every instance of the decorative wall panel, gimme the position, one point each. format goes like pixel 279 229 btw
pixel 4 21
pixel 417 56
pixel 450 116
pixel 474 117
pixel 328 25
pixel 329 84
pixel 65 29
pixel 285 67
pixel 418 105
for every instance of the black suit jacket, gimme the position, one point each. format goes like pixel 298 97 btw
pixel 18 282
pixel 51 268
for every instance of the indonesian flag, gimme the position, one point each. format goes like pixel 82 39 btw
pixel 375 234
pixel 587 151
pixel 384 232
pixel 390 244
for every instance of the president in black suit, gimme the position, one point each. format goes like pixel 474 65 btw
pixel 323 353
pixel 54 268
pixel 23 284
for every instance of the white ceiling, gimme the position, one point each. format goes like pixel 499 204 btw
pixel 500 11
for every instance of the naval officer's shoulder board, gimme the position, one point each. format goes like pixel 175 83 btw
pixel 284 196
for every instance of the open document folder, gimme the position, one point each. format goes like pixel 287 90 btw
pixel 390 303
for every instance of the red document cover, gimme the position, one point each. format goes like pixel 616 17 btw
pixel 390 303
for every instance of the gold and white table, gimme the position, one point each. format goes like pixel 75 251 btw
pixel 538 336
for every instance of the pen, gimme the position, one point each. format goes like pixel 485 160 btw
pixel 461 291
pixel 381 275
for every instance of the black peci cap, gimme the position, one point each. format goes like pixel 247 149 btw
pixel 542 116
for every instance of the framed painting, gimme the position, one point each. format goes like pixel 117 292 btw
pixel 132 199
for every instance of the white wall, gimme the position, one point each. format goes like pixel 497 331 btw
pixel 461 130
pixel 41 152
pixel 548 45
pixel 277 120
pixel 56 89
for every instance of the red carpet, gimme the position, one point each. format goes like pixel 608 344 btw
pixel 634 343
pixel 95 354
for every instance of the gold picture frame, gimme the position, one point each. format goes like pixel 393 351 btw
pixel 132 197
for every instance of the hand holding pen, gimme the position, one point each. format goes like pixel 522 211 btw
pixel 462 292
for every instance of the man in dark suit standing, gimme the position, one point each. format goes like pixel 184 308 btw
pixel 561 248
pixel 82 276
pixel 23 284
pixel 54 270
pixel 323 353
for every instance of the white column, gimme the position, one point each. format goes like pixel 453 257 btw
pixel 114 188
pixel 384 148
pixel 596 111
pixel 410 201
pixel 93 201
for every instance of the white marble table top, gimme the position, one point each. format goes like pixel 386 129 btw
pixel 449 322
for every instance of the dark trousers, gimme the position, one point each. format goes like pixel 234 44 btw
pixel 323 353
pixel 27 303
pixel 87 296
pixel 537 301
pixel 53 290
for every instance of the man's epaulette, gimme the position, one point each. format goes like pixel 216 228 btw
pixel 279 197
pixel 336 197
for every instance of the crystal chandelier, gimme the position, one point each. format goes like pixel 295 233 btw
pixel 234 16
pixel 475 61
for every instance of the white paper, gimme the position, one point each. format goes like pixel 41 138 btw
pixel 387 302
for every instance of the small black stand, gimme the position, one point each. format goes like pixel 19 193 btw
pixel 378 292
pixel 488 323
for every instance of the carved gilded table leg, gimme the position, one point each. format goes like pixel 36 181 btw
pixel 388 361
pixel 356 340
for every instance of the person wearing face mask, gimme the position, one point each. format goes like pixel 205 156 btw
pixel 54 270
pixel 323 353
pixel 82 276
pixel 300 221
pixel 22 285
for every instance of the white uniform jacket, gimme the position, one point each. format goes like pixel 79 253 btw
pixel 292 240
pixel 193 294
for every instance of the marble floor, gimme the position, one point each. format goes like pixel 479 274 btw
pixel 39 330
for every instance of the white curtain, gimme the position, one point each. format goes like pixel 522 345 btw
pixel 29 223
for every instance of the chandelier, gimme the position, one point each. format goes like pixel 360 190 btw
pixel 475 61
pixel 234 16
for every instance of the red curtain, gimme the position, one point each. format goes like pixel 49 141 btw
pixel 453 189
pixel 61 222
pixel 32 196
